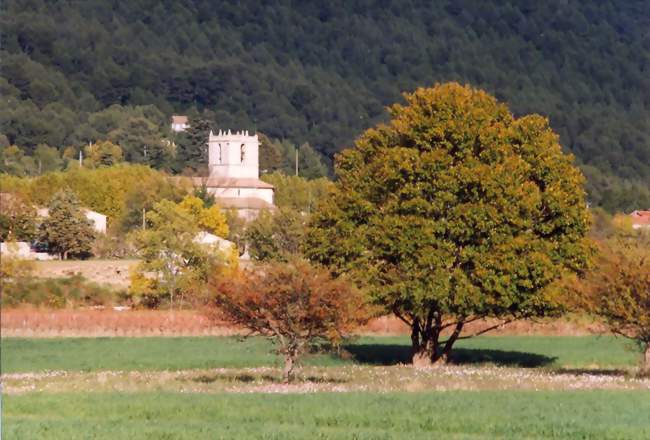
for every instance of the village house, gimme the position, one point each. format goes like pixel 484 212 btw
pixel 97 220
pixel 179 123
pixel 640 219
pixel 233 161
pixel 26 251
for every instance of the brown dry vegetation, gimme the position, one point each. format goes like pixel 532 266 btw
pixel 32 322
pixel 112 272
pixel 29 322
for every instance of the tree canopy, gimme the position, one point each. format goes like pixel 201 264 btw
pixel 119 192
pixel 454 211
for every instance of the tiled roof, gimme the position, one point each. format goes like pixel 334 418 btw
pixel 244 203
pixel 177 119
pixel 640 217
pixel 220 182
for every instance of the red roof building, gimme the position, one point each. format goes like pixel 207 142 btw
pixel 640 219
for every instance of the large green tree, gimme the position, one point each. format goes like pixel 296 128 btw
pixel 192 146
pixel 454 211
pixel 66 230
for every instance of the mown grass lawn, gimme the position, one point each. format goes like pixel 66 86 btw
pixel 180 353
pixel 449 415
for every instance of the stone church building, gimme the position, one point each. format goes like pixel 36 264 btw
pixel 233 160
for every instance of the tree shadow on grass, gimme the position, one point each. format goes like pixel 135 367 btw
pixel 249 378
pixel 504 358
pixel 392 354
pixel 379 354
pixel 211 378
pixel 614 372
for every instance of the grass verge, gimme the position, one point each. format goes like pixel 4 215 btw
pixel 182 353
pixel 455 415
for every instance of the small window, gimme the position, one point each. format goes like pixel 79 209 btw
pixel 219 153
pixel 242 150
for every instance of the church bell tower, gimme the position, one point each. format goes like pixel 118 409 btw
pixel 233 155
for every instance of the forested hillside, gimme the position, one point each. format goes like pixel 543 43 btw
pixel 321 72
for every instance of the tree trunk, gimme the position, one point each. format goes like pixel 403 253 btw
pixel 446 351
pixel 422 357
pixel 646 360
pixel 287 373
pixel 426 343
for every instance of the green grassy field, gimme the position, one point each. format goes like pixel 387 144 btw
pixel 209 387
pixel 449 415
pixel 144 354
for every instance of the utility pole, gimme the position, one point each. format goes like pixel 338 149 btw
pixel 144 223
pixel 81 158
pixel 296 161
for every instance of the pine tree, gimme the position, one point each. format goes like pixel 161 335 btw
pixel 192 146
pixel 66 230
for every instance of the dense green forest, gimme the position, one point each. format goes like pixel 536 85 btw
pixel 75 72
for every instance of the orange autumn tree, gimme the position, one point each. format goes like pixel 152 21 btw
pixel 294 304
pixel 617 288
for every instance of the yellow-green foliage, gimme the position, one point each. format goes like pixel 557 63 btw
pixel 296 192
pixel 105 190
pixel 171 255
pixel 102 153
pixel 143 289
pixel 211 219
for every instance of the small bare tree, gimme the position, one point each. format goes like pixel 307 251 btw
pixel 295 304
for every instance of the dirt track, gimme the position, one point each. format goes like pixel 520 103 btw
pixel 112 272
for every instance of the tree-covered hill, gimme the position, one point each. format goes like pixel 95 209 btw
pixel 321 72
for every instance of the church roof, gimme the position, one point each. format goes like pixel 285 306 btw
pixel 232 182
pixel 244 203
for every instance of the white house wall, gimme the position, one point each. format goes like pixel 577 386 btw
pixel 265 194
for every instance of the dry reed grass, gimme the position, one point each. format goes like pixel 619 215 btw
pixel 35 322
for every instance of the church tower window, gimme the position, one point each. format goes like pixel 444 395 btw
pixel 242 150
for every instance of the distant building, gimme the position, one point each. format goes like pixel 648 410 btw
pixel 640 219
pixel 98 220
pixel 221 244
pixel 24 251
pixel 179 123
pixel 233 160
